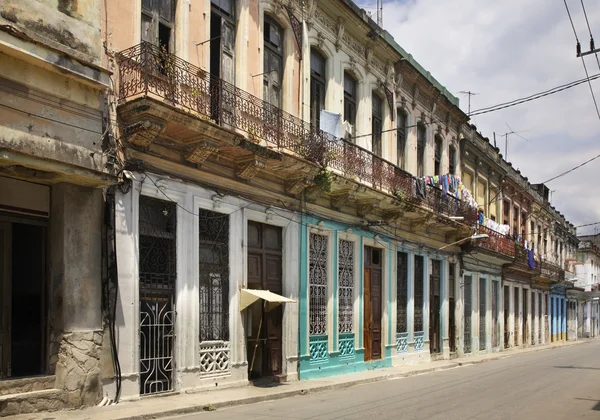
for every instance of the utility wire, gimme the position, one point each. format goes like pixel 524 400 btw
pixel 588 224
pixel 582 59
pixel 533 97
pixel 592 46
pixel 572 169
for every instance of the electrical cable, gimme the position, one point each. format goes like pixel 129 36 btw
pixel 572 169
pixel 533 97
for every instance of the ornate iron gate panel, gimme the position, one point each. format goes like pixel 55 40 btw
pixel 468 298
pixel 482 314
pixel 418 293
pixel 158 274
pixel 495 286
pixel 317 276
pixel 401 292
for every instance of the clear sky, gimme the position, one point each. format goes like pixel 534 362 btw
pixel 504 50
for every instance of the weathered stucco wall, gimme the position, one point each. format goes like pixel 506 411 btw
pixel 72 26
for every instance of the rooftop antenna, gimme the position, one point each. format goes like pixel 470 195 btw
pixel 468 92
pixel 506 139
pixel 380 13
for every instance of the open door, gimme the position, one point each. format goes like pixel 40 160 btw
pixel 5 298
pixel 264 323
pixel 434 307
pixel 372 303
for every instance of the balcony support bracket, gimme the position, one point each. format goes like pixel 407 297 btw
pixel 366 206
pixel 201 152
pixel 248 168
pixel 142 133
pixel 341 198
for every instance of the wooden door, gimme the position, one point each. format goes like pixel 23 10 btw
pixel 265 273
pixel 5 298
pixel 373 303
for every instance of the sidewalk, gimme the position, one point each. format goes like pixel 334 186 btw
pixel 184 403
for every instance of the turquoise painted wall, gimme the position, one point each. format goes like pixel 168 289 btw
pixel 317 358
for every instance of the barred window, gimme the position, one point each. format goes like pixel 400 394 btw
pixel 214 275
pixel 419 269
pixel 345 285
pixel 317 279
pixel 401 292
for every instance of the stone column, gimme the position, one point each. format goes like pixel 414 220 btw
pixel 76 269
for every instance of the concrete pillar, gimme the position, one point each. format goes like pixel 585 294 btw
pixel 76 270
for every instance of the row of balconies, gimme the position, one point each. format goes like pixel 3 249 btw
pixel 145 70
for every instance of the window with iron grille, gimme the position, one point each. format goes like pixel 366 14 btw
pixel 421 142
pixel 418 298
pixel 451 280
pixel 317 281
pixel 401 137
pixel 214 275
pixel 401 292
pixel 376 124
pixel 345 286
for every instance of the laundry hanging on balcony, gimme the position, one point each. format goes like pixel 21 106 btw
pixel 333 124
pixel 450 185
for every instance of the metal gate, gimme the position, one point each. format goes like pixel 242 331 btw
pixel 495 286
pixel 467 307
pixel 158 274
pixel 482 314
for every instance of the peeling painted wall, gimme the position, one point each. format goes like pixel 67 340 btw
pixel 69 25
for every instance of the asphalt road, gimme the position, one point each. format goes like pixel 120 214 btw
pixel 553 384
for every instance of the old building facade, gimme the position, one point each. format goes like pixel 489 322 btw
pixel 224 191
pixel 55 160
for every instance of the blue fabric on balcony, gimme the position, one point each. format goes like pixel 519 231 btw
pixel 530 261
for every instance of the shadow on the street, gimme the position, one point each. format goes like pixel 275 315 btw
pixel 577 367
pixel 596 407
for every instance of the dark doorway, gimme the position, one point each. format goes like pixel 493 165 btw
pixel 525 323
pixel 495 292
pixel 452 308
pixel 434 306
pixel 372 299
pixel 506 316
pixel 264 332
pixel 23 275
pixel 482 313
pixel 516 317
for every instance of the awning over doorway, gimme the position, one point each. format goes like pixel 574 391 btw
pixel 249 296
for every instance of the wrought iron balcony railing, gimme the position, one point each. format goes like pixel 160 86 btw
pixel 552 271
pixel 496 242
pixel 146 70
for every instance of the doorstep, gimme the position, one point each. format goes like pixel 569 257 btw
pixel 183 403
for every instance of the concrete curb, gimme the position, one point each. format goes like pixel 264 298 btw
pixel 287 394
pixel 343 385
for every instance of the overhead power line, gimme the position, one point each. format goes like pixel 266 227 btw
pixel 588 224
pixel 572 169
pixel 533 97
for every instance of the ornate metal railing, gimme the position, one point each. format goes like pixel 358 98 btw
pixel 145 69
pixel 552 271
pixel 496 242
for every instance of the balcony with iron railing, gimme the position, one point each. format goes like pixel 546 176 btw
pixel 147 72
pixel 495 242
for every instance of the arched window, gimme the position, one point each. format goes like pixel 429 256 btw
pixel 452 159
pixel 401 137
pixel 421 142
pixel 437 167
pixel 376 124
pixel 273 62
pixel 350 100
pixel 317 87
